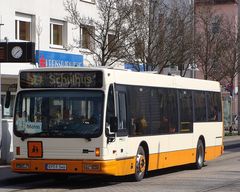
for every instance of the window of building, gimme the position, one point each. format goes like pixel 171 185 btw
pixel 139 9
pixel 57 33
pixel 23 27
pixel 139 49
pixel 216 24
pixel 113 44
pixel 86 37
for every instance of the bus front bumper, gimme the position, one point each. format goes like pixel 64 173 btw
pixel 110 167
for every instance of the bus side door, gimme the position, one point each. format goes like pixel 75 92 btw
pixel 121 111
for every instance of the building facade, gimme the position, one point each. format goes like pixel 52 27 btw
pixel 228 10
pixel 42 22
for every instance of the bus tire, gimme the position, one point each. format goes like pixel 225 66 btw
pixel 200 155
pixel 140 167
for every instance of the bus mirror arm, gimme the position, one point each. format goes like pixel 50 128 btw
pixel 113 124
pixel 110 136
pixel 8 95
pixel 111 129
pixel 8 99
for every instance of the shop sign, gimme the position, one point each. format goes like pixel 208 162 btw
pixel 134 67
pixel 56 59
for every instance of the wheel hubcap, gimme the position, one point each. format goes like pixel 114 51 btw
pixel 141 163
pixel 200 155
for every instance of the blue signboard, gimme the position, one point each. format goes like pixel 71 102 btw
pixel 134 67
pixel 56 59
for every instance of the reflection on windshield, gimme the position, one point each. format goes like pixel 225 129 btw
pixel 59 114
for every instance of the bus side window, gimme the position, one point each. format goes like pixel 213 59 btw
pixel 186 111
pixel 200 107
pixel 110 105
pixel 122 110
pixel 214 106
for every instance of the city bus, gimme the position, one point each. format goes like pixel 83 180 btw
pixel 113 122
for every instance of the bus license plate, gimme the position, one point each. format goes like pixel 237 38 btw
pixel 56 167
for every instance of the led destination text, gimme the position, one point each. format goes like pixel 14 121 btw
pixel 63 80
pixel 83 79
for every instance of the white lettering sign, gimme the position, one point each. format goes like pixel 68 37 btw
pixel 32 128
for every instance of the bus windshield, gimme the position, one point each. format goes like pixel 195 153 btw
pixel 59 114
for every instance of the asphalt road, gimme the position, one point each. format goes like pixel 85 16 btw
pixel 220 175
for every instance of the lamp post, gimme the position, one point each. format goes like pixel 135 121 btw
pixel 1 24
pixel 238 63
pixel 193 65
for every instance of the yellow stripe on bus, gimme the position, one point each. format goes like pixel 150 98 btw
pixel 113 167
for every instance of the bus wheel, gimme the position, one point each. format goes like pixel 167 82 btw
pixel 140 164
pixel 200 155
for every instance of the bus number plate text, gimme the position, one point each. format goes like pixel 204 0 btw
pixel 56 167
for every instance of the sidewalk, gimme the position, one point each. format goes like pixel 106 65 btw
pixel 231 138
pixel 231 142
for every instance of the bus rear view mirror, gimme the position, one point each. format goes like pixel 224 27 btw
pixel 113 124
pixel 8 99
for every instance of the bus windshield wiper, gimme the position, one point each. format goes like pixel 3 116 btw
pixel 25 136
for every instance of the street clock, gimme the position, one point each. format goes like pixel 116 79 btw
pixel 20 52
pixel 17 52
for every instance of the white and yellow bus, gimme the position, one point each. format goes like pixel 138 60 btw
pixel 114 122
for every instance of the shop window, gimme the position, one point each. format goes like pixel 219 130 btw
pixel 23 27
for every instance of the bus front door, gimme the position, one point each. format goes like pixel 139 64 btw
pixel 122 134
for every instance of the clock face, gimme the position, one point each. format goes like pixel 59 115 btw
pixel 17 52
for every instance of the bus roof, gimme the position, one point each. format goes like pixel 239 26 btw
pixel 127 77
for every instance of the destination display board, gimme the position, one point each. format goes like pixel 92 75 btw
pixel 57 79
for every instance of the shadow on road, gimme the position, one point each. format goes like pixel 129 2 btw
pixel 77 181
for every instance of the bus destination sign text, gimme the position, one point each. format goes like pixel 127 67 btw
pixel 67 79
